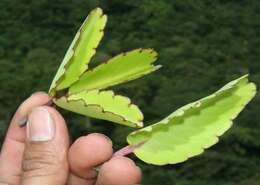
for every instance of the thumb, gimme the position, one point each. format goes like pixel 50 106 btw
pixel 45 155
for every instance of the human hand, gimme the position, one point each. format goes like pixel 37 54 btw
pixel 40 153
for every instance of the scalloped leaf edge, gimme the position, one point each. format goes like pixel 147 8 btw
pixel 195 105
pixel 153 68
pixel 151 51
pixel 76 39
pixel 128 102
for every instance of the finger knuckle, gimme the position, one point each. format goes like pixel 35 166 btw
pixel 40 162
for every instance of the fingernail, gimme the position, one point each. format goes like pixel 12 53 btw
pixel 40 126
pixel 22 122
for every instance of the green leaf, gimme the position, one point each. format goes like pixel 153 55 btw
pixel 124 67
pixel 194 127
pixel 81 50
pixel 103 105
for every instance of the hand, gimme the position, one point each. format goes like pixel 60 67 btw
pixel 40 153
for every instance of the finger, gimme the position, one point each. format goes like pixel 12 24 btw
pixel 13 146
pixel 37 99
pixel 86 153
pixel 119 171
pixel 45 154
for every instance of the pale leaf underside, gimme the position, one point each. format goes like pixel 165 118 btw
pixel 194 127
pixel 121 68
pixel 103 105
pixel 81 50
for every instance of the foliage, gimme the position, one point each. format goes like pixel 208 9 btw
pixel 202 44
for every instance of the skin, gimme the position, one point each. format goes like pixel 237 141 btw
pixel 56 162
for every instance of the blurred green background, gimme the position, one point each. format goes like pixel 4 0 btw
pixel 202 45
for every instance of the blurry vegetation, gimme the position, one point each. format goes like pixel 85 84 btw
pixel 202 44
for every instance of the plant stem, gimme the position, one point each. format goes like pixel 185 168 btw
pixel 123 152
pixel 127 150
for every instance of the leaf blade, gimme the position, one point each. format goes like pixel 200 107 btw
pixel 81 50
pixel 124 67
pixel 194 127
pixel 103 105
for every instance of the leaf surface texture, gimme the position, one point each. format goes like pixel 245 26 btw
pixel 81 50
pixel 121 68
pixel 191 129
pixel 103 105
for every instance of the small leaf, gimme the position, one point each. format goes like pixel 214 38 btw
pixel 103 105
pixel 124 67
pixel 194 127
pixel 81 50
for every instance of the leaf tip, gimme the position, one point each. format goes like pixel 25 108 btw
pixel 158 67
pixel 99 10
pixel 140 124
